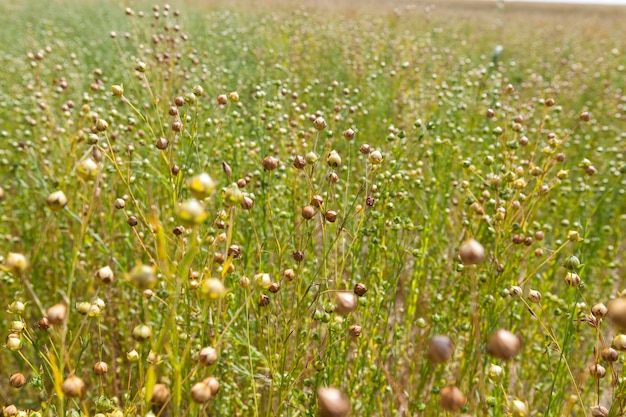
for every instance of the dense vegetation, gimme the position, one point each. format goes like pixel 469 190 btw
pixel 300 211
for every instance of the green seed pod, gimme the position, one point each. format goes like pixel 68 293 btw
pixel 375 157
pixel 101 125
pixel 132 356
pixel 213 289
pixel 333 160
pixel 14 342
pixel 117 90
pixel 191 213
pixel 311 158
pixel 143 277
pixel 197 91
pixel 201 186
pixel 232 195
pixel 572 263
pixel 519 408
pixel 83 307
pixel 16 263
pixel 17 307
pixel 87 169
pixel 142 333
pixel 56 201
pixel 495 372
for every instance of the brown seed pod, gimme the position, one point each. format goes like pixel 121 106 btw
pixel 269 163
pixel 162 143
pixel 264 300
pixel 207 356
pixel 100 368
pixel 331 402
pixel 9 411
pixel 201 393
pixel 319 123
pixel 73 386
pixel 599 411
pixel 617 313
pixel 360 289
pixel 43 323
pixel 504 345
pixel 17 380
pixel 472 252
pixel 599 310
pixel 160 394
pixel 597 371
pixel 289 275
pixel 451 398
pixel 57 314
pixel 213 384
pixel 346 302
pixel 56 201
pixel 317 201
pixel 274 287
pixel 105 275
pixel 308 212
pixel 609 354
pixel 299 162
pixel 355 330
pixel 331 216
pixel 440 349
pixel 518 408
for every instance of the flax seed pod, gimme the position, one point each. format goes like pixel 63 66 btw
pixel 346 302
pixel 73 387
pixel 451 398
pixel 331 402
pixel 440 349
pixel 472 252
pixel 504 345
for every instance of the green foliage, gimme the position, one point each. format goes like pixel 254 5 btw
pixel 205 203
